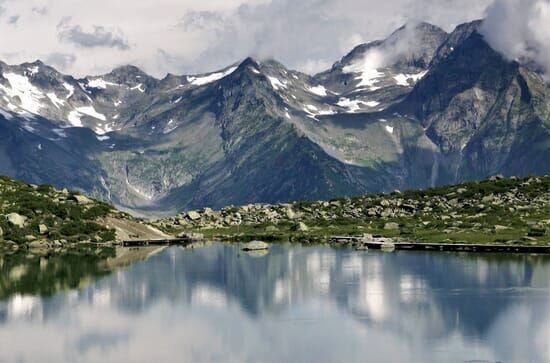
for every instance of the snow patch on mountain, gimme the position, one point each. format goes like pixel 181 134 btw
pixel 139 87
pixel 100 83
pixel 367 68
pixel 202 80
pixel 75 116
pixel 403 79
pixel 20 86
pixel 103 129
pixel 313 111
pixel 33 70
pixel 354 106
pixel 56 101
pixel 276 83
pixel 69 88
pixel 318 90
pixel 90 111
pixel 5 114
pixel 168 129
pixel 60 132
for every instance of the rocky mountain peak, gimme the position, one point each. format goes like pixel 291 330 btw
pixel 128 75
pixel 457 36
pixel 418 108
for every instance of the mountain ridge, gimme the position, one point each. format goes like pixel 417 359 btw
pixel 388 115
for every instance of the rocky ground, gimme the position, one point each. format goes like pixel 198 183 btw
pixel 497 210
pixel 40 217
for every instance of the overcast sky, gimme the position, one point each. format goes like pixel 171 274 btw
pixel 84 37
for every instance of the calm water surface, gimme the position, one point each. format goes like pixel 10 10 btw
pixel 295 304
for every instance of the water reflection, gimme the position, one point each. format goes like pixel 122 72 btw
pixel 296 304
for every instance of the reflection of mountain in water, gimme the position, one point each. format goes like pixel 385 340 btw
pixel 413 295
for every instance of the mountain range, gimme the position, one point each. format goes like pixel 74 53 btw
pixel 420 108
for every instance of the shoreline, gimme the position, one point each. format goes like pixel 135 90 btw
pixel 359 243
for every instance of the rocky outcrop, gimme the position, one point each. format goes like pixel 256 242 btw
pixel 255 246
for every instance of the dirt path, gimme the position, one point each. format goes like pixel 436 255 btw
pixel 128 230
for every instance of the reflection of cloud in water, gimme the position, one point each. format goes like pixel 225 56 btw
pixel 23 306
pixel 208 296
pixel 296 304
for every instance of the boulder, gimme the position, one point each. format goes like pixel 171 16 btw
pixel 17 219
pixel 289 213
pixel 255 246
pixel 391 226
pixel 498 228
pixel 38 244
pixel 42 229
pixel 209 212
pixel 191 236
pixel 271 229
pixel 367 237
pixel 300 227
pixel 82 200
pixel 1 232
pixel 192 215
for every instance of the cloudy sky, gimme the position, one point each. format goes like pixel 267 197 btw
pixel 84 37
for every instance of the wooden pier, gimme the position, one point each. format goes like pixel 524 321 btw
pixel 455 247
pixel 157 242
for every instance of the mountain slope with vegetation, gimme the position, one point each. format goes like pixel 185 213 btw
pixel 41 217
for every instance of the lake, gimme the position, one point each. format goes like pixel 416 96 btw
pixel 294 304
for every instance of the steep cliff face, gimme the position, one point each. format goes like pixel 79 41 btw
pixel 486 114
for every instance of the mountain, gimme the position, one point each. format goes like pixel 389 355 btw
pixel 419 108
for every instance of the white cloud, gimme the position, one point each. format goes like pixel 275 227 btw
pixel 194 36
pixel 520 29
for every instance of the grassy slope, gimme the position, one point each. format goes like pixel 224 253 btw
pixel 66 220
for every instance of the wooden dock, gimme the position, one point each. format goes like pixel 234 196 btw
pixel 455 247
pixel 157 242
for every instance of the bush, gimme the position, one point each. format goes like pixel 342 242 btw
pixel 75 228
pixel 96 211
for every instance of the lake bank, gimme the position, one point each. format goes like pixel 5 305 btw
pixel 496 211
